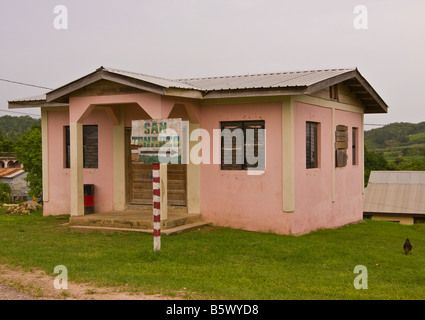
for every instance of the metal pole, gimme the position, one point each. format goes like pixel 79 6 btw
pixel 156 207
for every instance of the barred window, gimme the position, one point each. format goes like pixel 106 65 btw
pixel 311 145
pixel 355 146
pixel 242 145
pixel 90 147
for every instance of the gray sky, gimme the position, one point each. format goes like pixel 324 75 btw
pixel 197 38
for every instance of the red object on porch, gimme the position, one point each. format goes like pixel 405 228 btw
pixel 88 198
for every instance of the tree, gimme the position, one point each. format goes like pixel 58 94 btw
pixel 5 192
pixel 6 145
pixel 28 151
pixel 414 165
pixel 373 161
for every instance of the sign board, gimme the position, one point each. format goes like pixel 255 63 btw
pixel 156 141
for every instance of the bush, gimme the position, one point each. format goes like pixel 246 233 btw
pixel 5 192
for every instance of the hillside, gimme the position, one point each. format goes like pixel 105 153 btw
pixel 398 141
pixel 13 128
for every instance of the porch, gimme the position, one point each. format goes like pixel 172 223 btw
pixel 138 220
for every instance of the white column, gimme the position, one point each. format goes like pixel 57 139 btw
pixel 119 165
pixel 76 172
pixel 288 155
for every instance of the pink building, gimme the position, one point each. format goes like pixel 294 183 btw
pixel 311 178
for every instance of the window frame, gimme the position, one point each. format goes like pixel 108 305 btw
pixel 355 146
pixel 86 148
pixel 312 127
pixel 243 125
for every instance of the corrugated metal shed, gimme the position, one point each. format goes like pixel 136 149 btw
pixel 395 192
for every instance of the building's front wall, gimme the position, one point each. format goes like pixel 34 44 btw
pixel 233 197
pixel 286 198
pixel 59 176
pixel 112 114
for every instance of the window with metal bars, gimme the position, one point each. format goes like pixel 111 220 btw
pixel 90 146
pixel 312 152
pixel 242 145
pixel 354 146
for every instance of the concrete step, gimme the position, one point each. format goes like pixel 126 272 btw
pixel 133 221
pixel 176 230
pixel 185 228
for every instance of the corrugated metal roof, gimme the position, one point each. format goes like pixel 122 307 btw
pixel 41 97
pixel 265 80
pixel 166 83
pixel 10 172
pixel 280 83
pixel 400 192
pixel 397 177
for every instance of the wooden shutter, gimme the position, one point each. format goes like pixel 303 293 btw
pixel 257 147
pixel 341 145
pixel 232 161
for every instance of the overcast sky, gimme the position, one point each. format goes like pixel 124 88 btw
pixel 198 38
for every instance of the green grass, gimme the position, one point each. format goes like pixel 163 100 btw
pixel 221 263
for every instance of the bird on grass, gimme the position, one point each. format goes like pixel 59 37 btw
pixel 407 246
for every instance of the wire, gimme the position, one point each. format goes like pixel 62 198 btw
pixel 25 84
pixel 18 112
pixel 389 205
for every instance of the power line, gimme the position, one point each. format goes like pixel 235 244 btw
pixel 389 205
pixel 25 84
pixel 18 112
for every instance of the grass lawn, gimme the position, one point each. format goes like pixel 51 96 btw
pixel 221 263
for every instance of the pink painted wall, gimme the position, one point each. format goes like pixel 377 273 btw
pixel 102 177
pixel 59 180
pixel 314 208
pixel 233 198
pixel 228 198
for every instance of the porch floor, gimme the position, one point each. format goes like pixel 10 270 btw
pixel 137 220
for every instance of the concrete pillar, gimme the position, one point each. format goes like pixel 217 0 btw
pixel 288 155
pixel 119 162
pixel 45 154
pixel 193 178
pixel 76 171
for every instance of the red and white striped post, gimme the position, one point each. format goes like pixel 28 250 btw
pixel 156 207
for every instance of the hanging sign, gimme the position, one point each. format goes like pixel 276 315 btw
pixel 156 141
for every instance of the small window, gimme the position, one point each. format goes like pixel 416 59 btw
pixel 333 92
pixel 312 152
pixel 90 147
pixel 242 145
pixel 355 146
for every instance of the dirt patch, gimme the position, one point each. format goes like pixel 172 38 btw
pixel 17 284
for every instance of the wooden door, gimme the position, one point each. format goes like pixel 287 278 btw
pixel 176 183
pixel 139 181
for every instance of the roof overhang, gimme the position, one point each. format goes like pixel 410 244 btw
pixel 63 93
pixel 352 78
pixel 357 84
